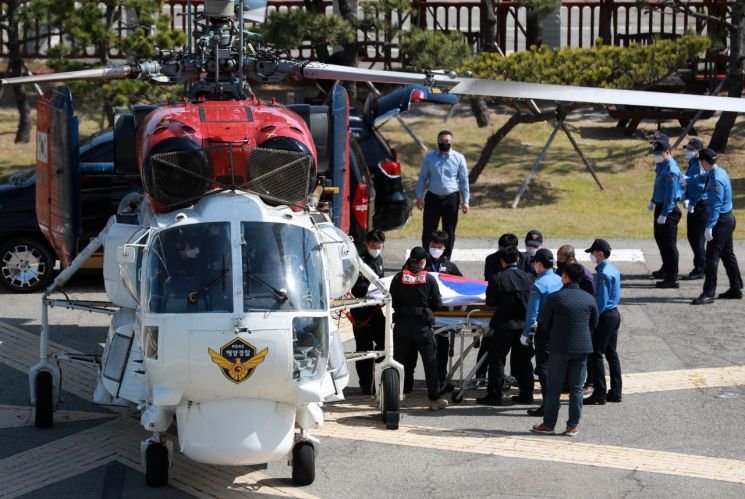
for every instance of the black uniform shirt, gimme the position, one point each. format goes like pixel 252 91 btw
pixel 359 290
pixel 508 291
pixel 415 297
pixel 442 265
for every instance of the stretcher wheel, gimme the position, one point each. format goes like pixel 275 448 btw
pixel 390 391
pixel 44 413
pixel 457 397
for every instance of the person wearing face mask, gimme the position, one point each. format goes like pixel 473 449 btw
pixel 368 323
pixel 695 204
pixel 565 255
pixel 720 225
pixel 415 296
pixel 667 190
pixel 444 176
pixel 605 336
pixel 533 242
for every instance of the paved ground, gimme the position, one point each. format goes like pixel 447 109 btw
pixel 677 432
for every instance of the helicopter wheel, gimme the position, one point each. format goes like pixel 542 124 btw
pixel 457 397
pixel 44 413
pixel 156 465
pixel 389 409
pixel 303 463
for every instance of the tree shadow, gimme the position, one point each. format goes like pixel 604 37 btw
pixel 539 193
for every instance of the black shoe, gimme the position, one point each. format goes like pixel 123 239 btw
pixel 667 284
pixel 489 400
pixel 593 400
pixel 537 412
pixel 612 398
pixel 523 399
pixel 658 274
pixel 447 388
pixel 694 275
pixel 731 294
pixel 703 300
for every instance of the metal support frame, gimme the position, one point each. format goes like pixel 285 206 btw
pixel 536 163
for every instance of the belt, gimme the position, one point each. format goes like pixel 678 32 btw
pixel 439 196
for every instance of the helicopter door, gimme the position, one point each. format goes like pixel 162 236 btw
pixel 57 172
pixel 339 155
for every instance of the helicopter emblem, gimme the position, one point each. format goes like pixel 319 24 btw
pixel 238 359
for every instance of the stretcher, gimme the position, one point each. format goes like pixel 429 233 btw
pixel 465 327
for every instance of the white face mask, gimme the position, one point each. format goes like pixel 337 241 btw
pixel 592 258
pixel 659 158
pixel 531 251
pixel 375 253
pixel 436 252
pixel 690 154
pixel 192 253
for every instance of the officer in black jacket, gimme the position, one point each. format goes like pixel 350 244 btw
pixel 508 291
pixel 368 323
pixel 415 296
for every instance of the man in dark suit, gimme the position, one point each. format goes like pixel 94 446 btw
pixel 508 291
pixel 568 316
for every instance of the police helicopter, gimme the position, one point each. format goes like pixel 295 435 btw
pixel 223 276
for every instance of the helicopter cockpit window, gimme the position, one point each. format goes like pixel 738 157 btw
pixel 189 270
pixel 281 268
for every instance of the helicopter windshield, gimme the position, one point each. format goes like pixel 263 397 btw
pixel 189 270
pixel 281 268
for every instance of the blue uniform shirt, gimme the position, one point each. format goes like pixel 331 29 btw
pixel 443 174
pixel 719 192
pixel 547 282
pixel 695 187
pixel 607 286
pixel 667 189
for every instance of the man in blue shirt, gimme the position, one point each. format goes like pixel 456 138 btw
pixel 695 203
pixel 444 176
pixel 719 227
pixel 605 336
pixel 667 191
pixel 546 283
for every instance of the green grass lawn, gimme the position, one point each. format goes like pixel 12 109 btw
pixel 563 199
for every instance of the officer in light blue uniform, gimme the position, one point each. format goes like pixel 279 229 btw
pixel 667 191
pixel 695 203
pixel 547 282
pixel 605 336
pixel 719 228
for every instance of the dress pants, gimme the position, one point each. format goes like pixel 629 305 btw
pixel 370 336
pixel 506 341
pixel 540 343
pixel 696 225
pixel 414 336
pixel 604 340
pixel 721 248
pixel 666 237
pixel 436 208
pixel 560 367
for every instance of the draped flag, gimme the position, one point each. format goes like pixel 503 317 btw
pixel 455 290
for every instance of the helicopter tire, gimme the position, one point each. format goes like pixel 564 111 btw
pixel 303 463
pixel 457 397
pixel 156 465
pixel 390 393
pixel 44 413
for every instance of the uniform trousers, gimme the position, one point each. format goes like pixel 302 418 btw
pixel 414 336
pixel 502 342
pixel 438 208
pixel 370 336
pixel 721 248
pixel 696 225
pixel 604 341
pixel 666 237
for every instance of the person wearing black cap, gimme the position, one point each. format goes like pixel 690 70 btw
pixel 667 191
pixel 547 282
pixel 508 292
pixel 533 242
pixel 695 203
pixel 415 296
pixel 718 233
pixel 605 336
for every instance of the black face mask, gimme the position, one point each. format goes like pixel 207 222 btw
pixel 443 146
pixel 560 266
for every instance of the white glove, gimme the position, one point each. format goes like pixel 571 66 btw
pixel 524 340
pixel 686 202
pixel 691 208
pixel 650 206
pixel 684 180
pixel 708 234
pixel 661 219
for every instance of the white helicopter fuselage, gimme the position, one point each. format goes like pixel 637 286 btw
pixel 225 323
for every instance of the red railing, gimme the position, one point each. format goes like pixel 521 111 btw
pixel 582 23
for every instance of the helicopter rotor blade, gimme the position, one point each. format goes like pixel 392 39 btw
pixel 110 73
pixel 522 90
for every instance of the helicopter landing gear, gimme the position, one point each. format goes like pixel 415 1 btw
pixel 44 390
pixel 390 398
pixel 304 460
pixel 157 454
